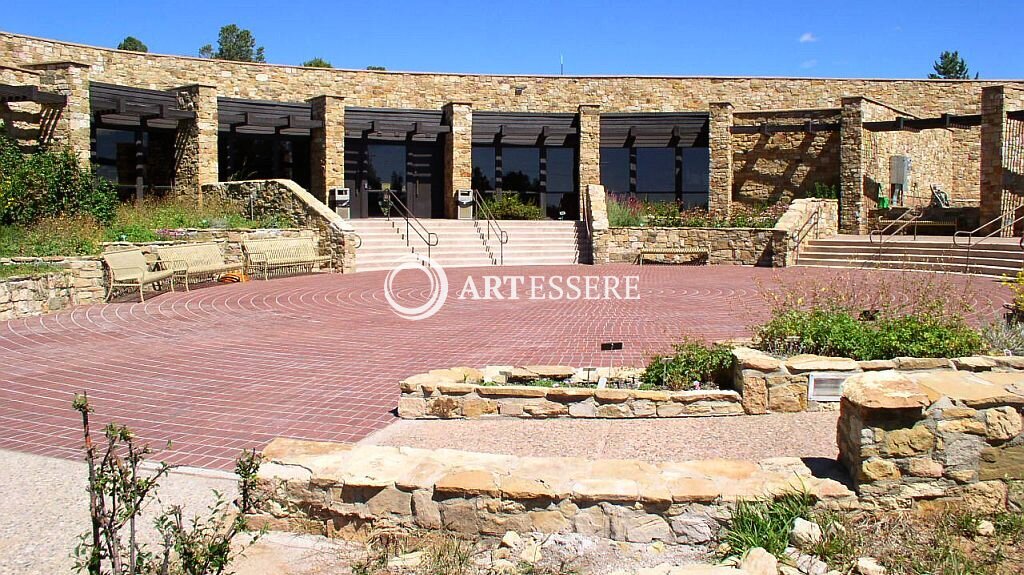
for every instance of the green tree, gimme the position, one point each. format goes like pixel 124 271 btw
pixel 133 44
pixel 236 44
pixel 377 68
pixel 317 63
pixel 950 66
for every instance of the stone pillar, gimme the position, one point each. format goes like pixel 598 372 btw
pixel 993 123
pixel 458 153
pixel 327 146
pixel 852 218
pixel 597 223
pixel 589 152
pixel 720 142
pixel 195 154
pixel 71 125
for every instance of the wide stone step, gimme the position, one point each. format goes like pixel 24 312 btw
pixel 358 487
pixel 995 271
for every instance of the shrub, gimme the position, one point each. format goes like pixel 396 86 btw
pixel 50 183
pixel 1001 336
pixel 509 206
pixel 59 236
pixel 824 191
pixel 624 212
pixel 694 365
pixel 839 333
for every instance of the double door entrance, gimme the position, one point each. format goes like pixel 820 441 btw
pixel 410 170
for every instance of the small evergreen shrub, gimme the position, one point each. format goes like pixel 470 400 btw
pixel 509 206
pixel 695 365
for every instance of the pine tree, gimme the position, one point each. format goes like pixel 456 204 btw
pixel 236 44
pixel 132 44
pixel 950 66
pixel 317 63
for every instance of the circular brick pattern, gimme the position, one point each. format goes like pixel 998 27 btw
pixel 319 357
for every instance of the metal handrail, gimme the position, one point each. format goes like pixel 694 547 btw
pixel 430 239
pixel 491 221
pixel 972 244
pixel 970 234
pixel 899 223
pixel 800 235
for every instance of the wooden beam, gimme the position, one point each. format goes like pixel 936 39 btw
pixel 766 128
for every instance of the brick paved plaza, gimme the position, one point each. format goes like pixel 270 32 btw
pixel 319 357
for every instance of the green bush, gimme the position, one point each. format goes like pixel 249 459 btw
pixel 50 183
pixel 824 191
pixel 693 361
pixel 508 206
pixel 624 212
pixel 839 333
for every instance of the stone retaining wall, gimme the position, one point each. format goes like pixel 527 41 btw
pixel 727 246
pixel 931 439
pixel 467 393
pixel 772 385
pixel 288 199
pixel 229 239
pixel 80 282
pixel 346 490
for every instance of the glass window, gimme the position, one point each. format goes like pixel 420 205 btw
pixel 483 168
pixel 615 170
pixel 385 166
pixel 115 155
pixel 655 170
pixel 561 169
pixel 520 169
pixel 696 170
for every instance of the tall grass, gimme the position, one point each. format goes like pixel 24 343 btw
pixel 766 522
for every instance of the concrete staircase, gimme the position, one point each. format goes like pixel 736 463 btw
pixel 992 257
pixel 464 243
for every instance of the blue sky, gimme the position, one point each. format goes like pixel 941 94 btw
pixel 828 38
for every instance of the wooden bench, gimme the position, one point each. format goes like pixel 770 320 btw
pixel 191 262
pixel 129 268
pixel 697 252
pixel 884 223
pixel 287 254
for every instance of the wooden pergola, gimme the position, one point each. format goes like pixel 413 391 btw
pixel 14 93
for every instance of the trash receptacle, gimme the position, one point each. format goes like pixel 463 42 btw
pixel 883 203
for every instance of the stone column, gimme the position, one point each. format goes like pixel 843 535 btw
pixel 458 153
pixel 720 142
pixel 993 124
pixel 589 152
pixel 195 154
pixel 852 219
pixel 69 126
pixel 327 146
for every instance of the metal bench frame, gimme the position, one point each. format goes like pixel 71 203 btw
pixel 700 253
pixel 130 269
pixel 196 261
pixel 301 254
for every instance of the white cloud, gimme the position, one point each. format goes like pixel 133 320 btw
pixel 807 37
pixel 808 64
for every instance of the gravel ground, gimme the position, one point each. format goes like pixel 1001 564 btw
pixel 45 508
pixel 741 437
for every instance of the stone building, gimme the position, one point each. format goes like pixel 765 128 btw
pixel 158 123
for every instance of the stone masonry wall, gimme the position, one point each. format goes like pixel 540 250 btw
pixel 490 92
pixel 805 219
pixel 769 168
pixel 504 391
pixel 728 246
pixel 286 198
pixel 230 240
pixel 81 282
pixel 347 491
pixel 929 440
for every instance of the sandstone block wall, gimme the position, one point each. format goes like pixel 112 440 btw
pixel 80 282
pixel 728 246
pixel 259 198
pixel 346 490
pixel 805 219
pixel 769 168
pixel 230 240
pixel 932 439
pixel 463 393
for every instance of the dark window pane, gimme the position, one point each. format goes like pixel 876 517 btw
pixel 520 169
pixel 655 170
pixel 386 166
pixel 696 167
pixel 483 168
pixel 561 169
pixel 615 170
